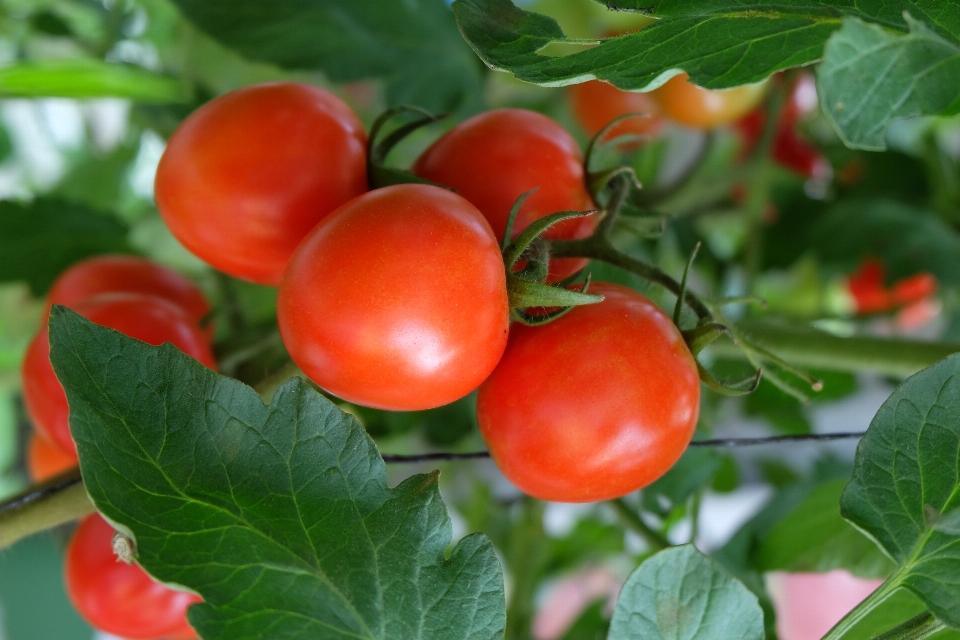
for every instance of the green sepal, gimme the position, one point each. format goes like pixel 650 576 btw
pixel 683 285
pixel 379 175
pixel 513 251
pixel 727 388
pixel 512 218
pixel 703 335
pixel 537 256
pixel 523 294
pixel 597 181
pixel 529 320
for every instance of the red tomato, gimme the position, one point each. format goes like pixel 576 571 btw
pixel 594 405
pixel 397 300
pixel 868 289
pixel 493 158
pixel 595 104
pixel 128 274
pixel 121 599
pixel 147 318
pixel 913 288
pixel 46 460
pixel 247 175
pixel 701 108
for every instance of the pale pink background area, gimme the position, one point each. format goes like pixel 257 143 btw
pixel 809 604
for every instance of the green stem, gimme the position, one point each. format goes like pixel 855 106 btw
pixel 920 627
pixel 804 346
pixel 620 190
pixel 525 560
pixel 655 539
pixel 56 502
pixel 865 608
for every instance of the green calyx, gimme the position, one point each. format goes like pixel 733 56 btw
pixel 379 147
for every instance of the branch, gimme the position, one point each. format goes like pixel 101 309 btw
pixel 53 503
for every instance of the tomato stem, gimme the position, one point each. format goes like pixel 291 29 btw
pixel 631 518
pixel 51 504
pixel 919 627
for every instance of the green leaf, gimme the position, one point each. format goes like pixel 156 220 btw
pixel 814 538
pixel 80 78
pixel 279 516
pixel 905 238
pixel 40 239
pixel 695 468
pixel 719 43
pixel 870 76
pixel 413 44
pixel 909 460
pixel 680 593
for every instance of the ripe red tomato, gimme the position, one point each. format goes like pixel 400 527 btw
pixel 493 158
pixel 46 460
pixel 121 599
pixel 147 318
pixel 247 175
pixel 701 108
pixel 594 405
pixel 128 274
pixel 397 300
pixel 595 104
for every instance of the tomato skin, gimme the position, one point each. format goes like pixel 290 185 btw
pixel 594 405
pixel 147 318
pixel 397 300
pixel 247 175
pixel 46 460
pixel 595 104
pixel 121 599
pixel 493 158
pixel 701 108
pixel 127 274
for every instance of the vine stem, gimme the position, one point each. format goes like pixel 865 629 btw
pixel 865 608
pixel 57 502
pixel 655 539
pixel 920 627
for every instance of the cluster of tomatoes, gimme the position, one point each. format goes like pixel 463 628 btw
pixel 393 297
pixel 151 303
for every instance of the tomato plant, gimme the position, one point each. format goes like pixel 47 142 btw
pixel 121 598
pixel 397 299
pixel 244 207
pixel 608 425
pixel 489 160
pixel 148 318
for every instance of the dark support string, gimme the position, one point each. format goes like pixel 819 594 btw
pixel 722 442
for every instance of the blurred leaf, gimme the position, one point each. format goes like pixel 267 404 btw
pixel 591 625
pixel 814 538
pixel 870 76
pixel 727 477
pixel 79 78
pixel 589 541
pixel 98 181
pixel 693 470
pixel 49 23
pixel 909 460
pixel 718 43
pixel 413 44
pixel 905 238
pixel 279 516
pixel 680 593
pixel 40 239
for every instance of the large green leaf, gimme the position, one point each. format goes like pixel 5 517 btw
pixel 40 239
pixel 720 43
pixel 909 461
pixel 681 594
pixel 814 538
pixel 907 239
pixel 870 76
pixel 279 516
pixel 80 78
pixel 413 44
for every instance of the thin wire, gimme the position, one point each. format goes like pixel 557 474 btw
pixel 722 442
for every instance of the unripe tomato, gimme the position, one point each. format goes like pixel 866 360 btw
pixel 46 460
pixel 595 104
pixel 701 108
pixel 121 599
pixel 247 175
pixel 493 158
pixel 397 300
pixel 127 274
pixel 148 318
pixel 594 405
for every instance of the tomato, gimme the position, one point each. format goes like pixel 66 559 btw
pixel 593 405
pixel 247 175
pixel 595 104
pixel 46 460
pixel 130 274
pixel 120 599
pixel 147 318
pixel 867 286
pixel 493 158
pixel 701 108
pixel 397 300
